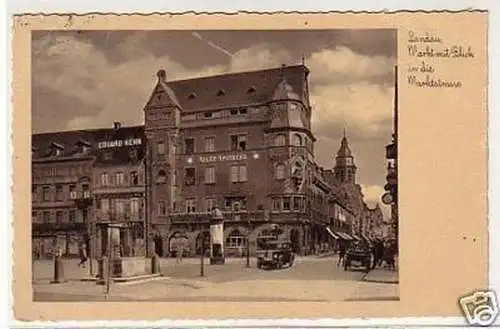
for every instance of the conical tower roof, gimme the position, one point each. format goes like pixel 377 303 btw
pixel 344 150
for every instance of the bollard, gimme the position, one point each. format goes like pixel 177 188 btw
pixel 58 269
pixel 102 275
pixel 155 264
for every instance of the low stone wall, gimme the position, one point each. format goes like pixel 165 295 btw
pixel 131 266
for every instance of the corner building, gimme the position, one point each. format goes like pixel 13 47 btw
pixel 241 142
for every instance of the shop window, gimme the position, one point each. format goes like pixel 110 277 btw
pixel 189 176
pixel 235 239
pixel 238 142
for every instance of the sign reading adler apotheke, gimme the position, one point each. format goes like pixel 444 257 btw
pixel 221 158
pixel 119 143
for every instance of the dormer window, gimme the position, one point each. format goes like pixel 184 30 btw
pixel 56 149
pixel 251 89
pixel 83 146
pixel 221 92
pixel 192 96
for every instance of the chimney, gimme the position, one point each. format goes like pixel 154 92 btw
pixel 117 125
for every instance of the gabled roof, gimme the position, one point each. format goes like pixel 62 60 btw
pixel 233 89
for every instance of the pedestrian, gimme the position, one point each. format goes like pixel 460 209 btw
pixel 82 252
pixel 341 254
pixel 180 250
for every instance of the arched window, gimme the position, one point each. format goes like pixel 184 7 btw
pixel 297 140
pixel 235 239
pixel 280 171
pixel 279 140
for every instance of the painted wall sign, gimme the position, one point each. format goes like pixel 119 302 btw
pixel 119 143
pixel 222 158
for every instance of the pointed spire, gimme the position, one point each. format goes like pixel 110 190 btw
pixel 344 150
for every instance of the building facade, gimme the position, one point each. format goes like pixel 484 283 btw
pixel 82 179
pixel 119 188
pixel 240 142
pixel 61 192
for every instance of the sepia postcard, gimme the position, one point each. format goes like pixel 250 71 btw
pixel 286 165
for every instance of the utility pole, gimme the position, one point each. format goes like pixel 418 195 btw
pixel 202 250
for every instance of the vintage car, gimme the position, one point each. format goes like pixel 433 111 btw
pixel 275 255
pixel 358 255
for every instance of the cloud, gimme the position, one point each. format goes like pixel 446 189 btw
pixel 347 89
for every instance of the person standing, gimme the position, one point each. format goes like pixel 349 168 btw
pixel 180 250
pixel 341 253
pixel 82 252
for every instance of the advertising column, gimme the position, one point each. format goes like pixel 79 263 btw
pixel 217 238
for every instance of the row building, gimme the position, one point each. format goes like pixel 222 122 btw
pixel 239 142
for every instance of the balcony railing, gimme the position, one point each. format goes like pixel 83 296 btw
pixel 50 227
pixel 229 216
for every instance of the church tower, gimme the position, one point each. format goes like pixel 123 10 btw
pixel 345 169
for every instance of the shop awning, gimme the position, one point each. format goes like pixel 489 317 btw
pixel 344 236
pixel 333 235
pixel 356 237
pixel 366 238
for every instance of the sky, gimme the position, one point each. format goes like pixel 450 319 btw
pixel 88 79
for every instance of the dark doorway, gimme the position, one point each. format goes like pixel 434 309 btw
pixel 205 237
pixel 158 241
pixel 295 240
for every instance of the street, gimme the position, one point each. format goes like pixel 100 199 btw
pixel 310 279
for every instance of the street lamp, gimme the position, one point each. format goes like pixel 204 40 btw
pixel 247 240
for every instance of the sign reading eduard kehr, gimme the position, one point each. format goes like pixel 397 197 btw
pixel 119 143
